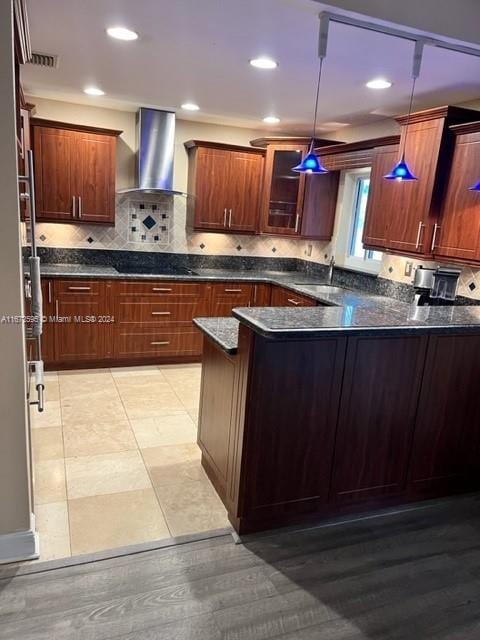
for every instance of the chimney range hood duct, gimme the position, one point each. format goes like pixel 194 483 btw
pixel 156 144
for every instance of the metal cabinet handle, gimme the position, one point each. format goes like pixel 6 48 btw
pixel 73 207
pixel 161 313
pixel 56 308
pixel 230 218
pixel 297 220
pixel 233 290
pixel 225 217
pixel 435 229
pixel 79 206
pixel 161 289
pixel 49 291
pixel 160 342
pixel 295 302
pixel 79 288
pixel 419 233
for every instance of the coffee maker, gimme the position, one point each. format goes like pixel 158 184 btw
pixel 435 286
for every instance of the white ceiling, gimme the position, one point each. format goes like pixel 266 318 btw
pixel 198 50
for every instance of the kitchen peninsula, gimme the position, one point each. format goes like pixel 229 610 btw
pixel 312 412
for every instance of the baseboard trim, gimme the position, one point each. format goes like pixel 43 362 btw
pixel 21 545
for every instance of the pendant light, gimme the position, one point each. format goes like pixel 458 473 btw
pixel 401 171
pixel 311 163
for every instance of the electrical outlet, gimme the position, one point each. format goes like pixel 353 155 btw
pixel 308 251
pixel 408 268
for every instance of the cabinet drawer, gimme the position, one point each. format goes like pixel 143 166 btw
pixel 157 342
pixel 161 289
pixel 226 296
pixel 158 312
pixel 285 298
pixel 78 288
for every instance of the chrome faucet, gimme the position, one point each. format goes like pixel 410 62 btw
pixel 331 266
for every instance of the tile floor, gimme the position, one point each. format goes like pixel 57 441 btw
pixel 116 460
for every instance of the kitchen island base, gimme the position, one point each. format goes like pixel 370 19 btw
pixel 295 430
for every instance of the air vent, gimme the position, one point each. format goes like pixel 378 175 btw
pixel 44 60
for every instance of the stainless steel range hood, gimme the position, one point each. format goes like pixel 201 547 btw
pixel 155 144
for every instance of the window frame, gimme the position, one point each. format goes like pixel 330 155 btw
pixel 348 223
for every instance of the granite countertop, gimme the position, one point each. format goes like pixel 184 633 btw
pixel 223 331
pixel 353 319
pixel 296 281
pixel 77 270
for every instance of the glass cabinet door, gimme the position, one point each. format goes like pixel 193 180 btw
pixel 285 190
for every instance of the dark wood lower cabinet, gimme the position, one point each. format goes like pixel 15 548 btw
pixel 291 420
pixel 447 434
pixel 82 327
pixel 379 400
pixel 108 322
pixel 296 431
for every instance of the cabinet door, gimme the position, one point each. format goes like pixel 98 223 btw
pixel 292 411
pixel 262 295
pixel 76 338
pixel 54 175
pixel 459 224
pixel 446 444
pixel 212 189
pixel 319 206
pixel 283 190
pixel 375 429
pixel 245 181
pixel 410 226
pixel 94 170
pixel 381 198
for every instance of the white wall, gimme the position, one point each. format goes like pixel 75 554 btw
pixel 15 501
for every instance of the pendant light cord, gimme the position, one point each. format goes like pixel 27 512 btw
pixel 409 114
pixel 316 103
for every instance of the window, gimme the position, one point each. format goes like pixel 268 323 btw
pixel 350 251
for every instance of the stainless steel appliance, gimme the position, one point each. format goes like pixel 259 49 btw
pixel 435 286
pixel 156 145
pixel 33 297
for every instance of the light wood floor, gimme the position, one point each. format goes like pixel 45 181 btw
pixel 408 576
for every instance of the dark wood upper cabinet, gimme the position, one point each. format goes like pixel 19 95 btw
pixel 95 172
pixel 458 230
pixel 74 172
pixel 319 206
pixel 381 197
pixel 224 186
pixel 283 190
pixel 294 204
pixel 406 213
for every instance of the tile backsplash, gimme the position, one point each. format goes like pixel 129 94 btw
pixel 158 224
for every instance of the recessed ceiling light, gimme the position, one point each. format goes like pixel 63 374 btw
pixel 122 33
pixel 190 106
pixel 379 83
pixel 94 91
pixel 271 120
pixel 264 63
